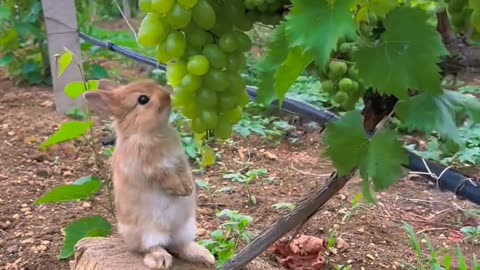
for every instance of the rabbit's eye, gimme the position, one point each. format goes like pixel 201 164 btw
pixel 142 100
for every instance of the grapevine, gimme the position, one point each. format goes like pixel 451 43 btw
pixel 357 47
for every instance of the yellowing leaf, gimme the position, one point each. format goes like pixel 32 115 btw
pixel 64 62
pixel 208 156
pixel 316 26
pixel 67 132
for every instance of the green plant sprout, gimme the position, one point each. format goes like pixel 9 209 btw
pixel 246 179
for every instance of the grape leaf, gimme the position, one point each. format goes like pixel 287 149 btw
pixel 289 70
pixel 379 158
pixel 92 226
pixel 383 159
pixel 316 26
pixel 346 140
pixel 406 55
pixel 276 54
pixel 64 62
pixel 5 13
pixel 437 112
pixel 82 190
pixel 67 132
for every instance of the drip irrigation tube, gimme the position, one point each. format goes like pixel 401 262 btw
pixel 446 179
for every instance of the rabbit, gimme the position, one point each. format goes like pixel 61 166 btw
pixel 155 197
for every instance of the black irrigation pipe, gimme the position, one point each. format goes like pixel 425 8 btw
pixel 445 178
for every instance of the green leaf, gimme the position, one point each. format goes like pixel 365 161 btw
pixel 379 159
pixel 406 55
pixel 289 70
pixel 67 132
pixel 379 7
pixel 98 72
pixel 76 114
pixel 7 59
pixel 346 141
pixel 75 89
pixel 5 13
pixel 316 26
pixel 284 205
pixel 83 190
pixel 437 112
pixel 93 226
pixel 475 17
pixel 276 54
pixel 383 159
pixel 64 62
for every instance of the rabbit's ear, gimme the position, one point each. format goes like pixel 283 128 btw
pixel 105 84
pixel 101 101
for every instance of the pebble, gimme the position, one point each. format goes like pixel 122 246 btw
pixel 11 133
pixel 86 205
pixel 361 230
pixel 28 241
pixel 41 248
pixel 16 216
pixel 12 249
pixel 370 257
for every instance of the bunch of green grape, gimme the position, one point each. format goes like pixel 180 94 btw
pixel 266 11
pixel 340 79
pixel 203 44
pixel 459 14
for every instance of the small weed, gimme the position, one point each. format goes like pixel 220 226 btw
pixel 211 191
pixel 265 126
pixel 282 206
pixel 246 179
pixel 472 234
pixel 433 262
pixel 224 242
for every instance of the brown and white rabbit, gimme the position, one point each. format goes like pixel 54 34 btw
pixel 154 191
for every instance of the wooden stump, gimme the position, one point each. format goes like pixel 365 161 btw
pixel 112 254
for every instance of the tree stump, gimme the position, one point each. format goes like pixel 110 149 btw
pixel 112 254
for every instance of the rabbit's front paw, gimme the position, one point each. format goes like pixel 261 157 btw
pixel 158 259
pixel 180 189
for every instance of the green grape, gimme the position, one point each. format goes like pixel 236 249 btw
pixel 191 109
pixel 197 36
pixel 145 5
pixel 216 80
pixel 345 85
pixel 210 118
pixel 206 98
pixel 152 31
pixel 179 17
pixel 340 97
pixel 456 6
pixel 236 11
pixel 226 102
pixel 244 41
pixel 233 116
pixel 191 51
pixel 243 98
pixel 216 57
pixel 244 23
pixel 353 73
pixel 162 55
pixel 236 61
pixel 175 44
pixel 204 15
pixel 337 68
pixel 191 82
pixel 237 83
pixel 355 86
pixel 349 103
pixel 224 129
pixel 161 6
pixel 188 4
pixel 175 72
pixel 222 25
pixel 329 87
pixel 198 65
pixel 198 125
pixel 182 96
pixel 345 48
pixel 228 42
pixel 365 29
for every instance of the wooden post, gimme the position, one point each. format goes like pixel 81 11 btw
pixel 62 32
pixel 127 11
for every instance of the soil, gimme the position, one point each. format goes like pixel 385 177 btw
pixel 31 236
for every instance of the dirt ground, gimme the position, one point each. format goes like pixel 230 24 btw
pixel 31 236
